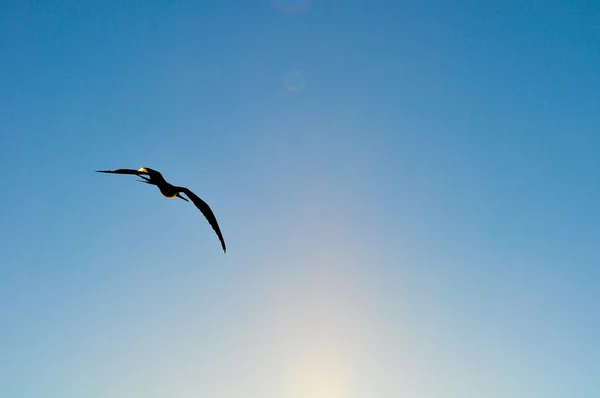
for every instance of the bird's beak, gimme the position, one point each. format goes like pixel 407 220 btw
pixel 181 197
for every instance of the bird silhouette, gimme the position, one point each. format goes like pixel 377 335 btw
pixel 153 177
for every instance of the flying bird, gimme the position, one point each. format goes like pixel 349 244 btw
pixel 153 177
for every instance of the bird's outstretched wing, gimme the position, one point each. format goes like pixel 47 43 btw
pixel 123 171
pixel 205 209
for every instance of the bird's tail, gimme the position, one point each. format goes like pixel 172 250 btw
pixel 146 180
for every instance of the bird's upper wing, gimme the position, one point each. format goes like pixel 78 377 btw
pixel 122 171
pixel 205 209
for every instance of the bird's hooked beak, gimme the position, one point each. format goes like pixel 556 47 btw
pixel 181 197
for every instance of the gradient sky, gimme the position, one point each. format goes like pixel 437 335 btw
pixel 409 192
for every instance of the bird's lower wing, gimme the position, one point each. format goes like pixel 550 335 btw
pixel 205 209
pixel 121 171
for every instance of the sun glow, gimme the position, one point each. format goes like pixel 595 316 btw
pixel 321 309
pixel 318 375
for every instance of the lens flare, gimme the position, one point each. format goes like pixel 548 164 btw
pixel 295 81
pixel 292 6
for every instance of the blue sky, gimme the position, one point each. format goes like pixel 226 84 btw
pixel 409 194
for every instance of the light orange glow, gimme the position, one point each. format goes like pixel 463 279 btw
pixel 320 375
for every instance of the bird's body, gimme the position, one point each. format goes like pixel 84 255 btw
pixel 168 193
pixel 153 177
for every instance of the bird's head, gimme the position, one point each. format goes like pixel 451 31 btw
pixel 143 170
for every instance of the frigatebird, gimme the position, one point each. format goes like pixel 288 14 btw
pixel 153 177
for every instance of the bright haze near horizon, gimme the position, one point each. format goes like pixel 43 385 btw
pixel 409 193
